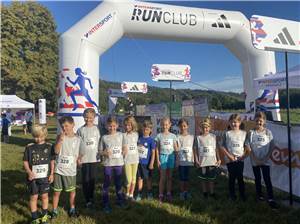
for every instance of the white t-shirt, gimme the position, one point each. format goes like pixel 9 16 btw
pixel 132 156
pixel 234 142
pixel 89 148
pixel 185 145
pixel 66 161
pixel 166 143
pixel 206 146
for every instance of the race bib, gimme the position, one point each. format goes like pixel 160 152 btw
pixel 185 154
pixel 116 152
pixel 167 145
pixel 132 149
pixel 40 171
pixel 143 152
pixel 65 162
pixel 90 143
pixel 236 148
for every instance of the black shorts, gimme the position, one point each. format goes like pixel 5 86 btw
pixel 38 186
pixel 208 173
pixel 144 172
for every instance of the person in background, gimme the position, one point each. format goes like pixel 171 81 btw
pixel 29 119
pixel 5 128
pixel 10 118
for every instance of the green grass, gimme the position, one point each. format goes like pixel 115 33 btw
pixel 15 199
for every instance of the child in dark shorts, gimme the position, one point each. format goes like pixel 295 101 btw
pixel 39 165
pixel 146 148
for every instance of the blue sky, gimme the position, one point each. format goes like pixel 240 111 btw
pixel 131 59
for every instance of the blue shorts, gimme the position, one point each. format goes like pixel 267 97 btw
pixel 167 161
pixel 184 173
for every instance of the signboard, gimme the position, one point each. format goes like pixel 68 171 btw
pixel 42 111
pixel 159 110
pixel 275 34
pixel 116 93
pixel 168 72
pixel 134 87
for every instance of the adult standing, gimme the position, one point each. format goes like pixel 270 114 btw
pixel 29 118
pixel 9 117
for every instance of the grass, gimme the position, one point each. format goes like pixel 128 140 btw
pixel 199 210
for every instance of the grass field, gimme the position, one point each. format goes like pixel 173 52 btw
pixel 14 201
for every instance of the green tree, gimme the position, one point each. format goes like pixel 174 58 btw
pixel 29 56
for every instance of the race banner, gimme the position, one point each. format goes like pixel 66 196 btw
pixel 134 87
pixel 275 34
pixel 116 93
pixel 167 72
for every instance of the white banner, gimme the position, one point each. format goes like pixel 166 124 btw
pixel 275 34
pixel 116 93
pixel 165 72
pixel 134 87
pixel 42 111
pixel 112 102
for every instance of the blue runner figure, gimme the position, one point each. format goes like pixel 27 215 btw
pixel 82 90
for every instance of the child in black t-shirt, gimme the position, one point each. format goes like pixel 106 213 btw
pixel 39 166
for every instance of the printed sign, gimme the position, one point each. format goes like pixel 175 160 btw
pixel 167 72
pixel 134 87
pixel 275 34
pixel 116 93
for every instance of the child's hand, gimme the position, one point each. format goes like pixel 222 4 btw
pixel 218 163
pixel 51 178
pixel 151 167
pixel 31 176
pixel 125 151
pixel 79 161
pixel 198 164
pixel 232 158
pixel 61 137
pixel 108 153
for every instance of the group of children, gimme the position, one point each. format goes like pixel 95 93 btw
pixel 45 164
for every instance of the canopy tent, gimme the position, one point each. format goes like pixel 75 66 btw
pixel 14 102
pixel 277 81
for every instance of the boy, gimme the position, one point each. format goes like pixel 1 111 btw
pixel 67 151
pixel 146 148
pixel 39 165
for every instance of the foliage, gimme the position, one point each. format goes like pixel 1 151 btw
pixel 29 61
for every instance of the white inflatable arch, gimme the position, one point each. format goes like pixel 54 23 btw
pixel 83 44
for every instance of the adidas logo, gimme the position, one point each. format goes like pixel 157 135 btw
pixel 284 38
pixel 134 88
pixel 222 22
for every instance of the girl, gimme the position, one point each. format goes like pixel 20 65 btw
pixel 186 157
pixel 262 143
pixel 132 158
pixel 207 158
pixel 236 149
pixel 112 147
pixel 166 146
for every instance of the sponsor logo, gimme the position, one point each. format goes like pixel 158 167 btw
pixel 221 22
pixel 98 25
pixel 284 38
pixel 257 32
pixel 281 157
pixel 158 15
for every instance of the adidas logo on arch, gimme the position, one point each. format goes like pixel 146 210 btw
pixel 221 22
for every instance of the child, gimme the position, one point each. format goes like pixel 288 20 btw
pixel 207 158
pixel 39 166
pixel 90 138
pixel 146 148
pixel 112 147
pixel 262 143
pixel 166 146
pixel 236 149
pixel 5 127
pixel 132 157
pixel 67 151
pixel 186 157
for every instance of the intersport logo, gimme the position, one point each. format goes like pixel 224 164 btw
pixel 98 25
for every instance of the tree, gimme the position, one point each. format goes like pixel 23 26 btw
pixel 29 63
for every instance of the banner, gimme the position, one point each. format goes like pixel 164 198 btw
pixel 158 110
pixel 42 111
pixel 176 110
pixel 116 93
pixel 275 34
pixel 167 72
pixel 112 102
pixel 134 87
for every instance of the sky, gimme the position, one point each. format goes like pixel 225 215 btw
pixel 131 59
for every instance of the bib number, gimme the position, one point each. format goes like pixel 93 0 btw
pixel 132 149
pixel 90 143
pixel 185 155
pixel 40 171
pixel 65 162
pixel 167 145
pixel 116 153
pixel 143 152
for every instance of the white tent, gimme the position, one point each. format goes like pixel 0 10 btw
pixel 14 102
pixel 277 81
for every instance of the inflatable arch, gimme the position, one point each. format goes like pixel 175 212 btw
pixel 83 44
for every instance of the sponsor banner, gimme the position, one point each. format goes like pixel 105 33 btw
pixel 159 110
pixel 116 93
pixel 275 34
pixel 168 72
pixel 134 87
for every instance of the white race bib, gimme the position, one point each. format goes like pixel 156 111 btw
pixel 65 162
pixel 90 143
pixel 116 152
pixel 167 145
pixel 185 154
pixel 236 148
pixel 143 152
pixel 40 171
pixel 132 149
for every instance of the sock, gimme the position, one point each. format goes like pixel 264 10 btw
pixel 44 212
pixel 34 215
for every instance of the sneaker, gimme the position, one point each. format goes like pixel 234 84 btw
pixel 161 199
pixel 54 214
pixel 150 196
pixel 73 213
pixel 107 209
pixel 44 219
pixel 182 196
pixel 169 197
pixel 273 204
pixel 35 221
pixel 138 197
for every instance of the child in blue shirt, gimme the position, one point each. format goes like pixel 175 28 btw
pixel 146 148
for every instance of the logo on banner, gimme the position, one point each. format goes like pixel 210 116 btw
pixel 281 157
pixel 164 72
pixel 257 31
pixel 98 25
pixel 284 38
pixel 267 101
pixel 221 22
pixel 77 89
pixel 134 87
pixel 156 14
